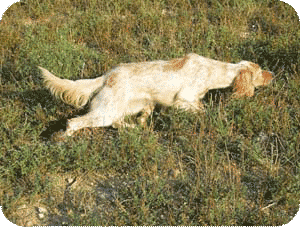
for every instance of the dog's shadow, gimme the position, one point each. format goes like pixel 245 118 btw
pixel 215 96
pixel 56 127
pixel 53 128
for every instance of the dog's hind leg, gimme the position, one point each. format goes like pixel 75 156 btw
pixel 92 119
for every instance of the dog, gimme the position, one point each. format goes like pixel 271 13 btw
pixel 132 88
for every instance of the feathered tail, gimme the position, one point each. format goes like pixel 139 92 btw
pixel 76 93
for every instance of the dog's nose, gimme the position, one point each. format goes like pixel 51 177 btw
pixel 273 77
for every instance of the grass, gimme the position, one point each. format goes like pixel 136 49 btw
pixel 237 164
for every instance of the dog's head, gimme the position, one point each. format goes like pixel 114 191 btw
pixel 249 77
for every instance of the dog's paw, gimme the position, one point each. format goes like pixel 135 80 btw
pixel 59 137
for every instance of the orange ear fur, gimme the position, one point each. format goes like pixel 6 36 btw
pixel 243 84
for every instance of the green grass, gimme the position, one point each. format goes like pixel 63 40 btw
pixel 236 164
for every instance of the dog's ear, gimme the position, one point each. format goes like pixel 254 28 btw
pixel 242 84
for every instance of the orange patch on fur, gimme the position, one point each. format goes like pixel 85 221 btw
pixel 111 80
pixel 255 66
pixel 267 77
pixel 244 71
pixel 242 84
pixel 175 64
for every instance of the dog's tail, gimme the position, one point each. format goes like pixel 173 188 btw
pixel 76 93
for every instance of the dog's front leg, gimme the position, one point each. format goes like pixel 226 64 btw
pixel 146 112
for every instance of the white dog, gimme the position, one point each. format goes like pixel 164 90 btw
pixel 131 88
